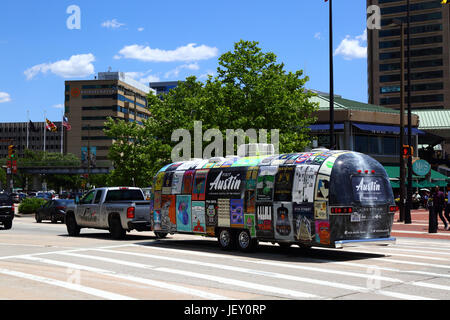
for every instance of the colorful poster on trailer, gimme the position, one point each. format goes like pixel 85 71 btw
pixel 198 217
pixel 159 181
pixel 283 220
pixel 167 182
pixel 188 180
pixel 250 224
pixel 264 220
pixel 323 232
pixel 266 183
pixel 168 213
pixel 283 183
pixel 211 216
pixel 223 213
pixel 184 213
pixel 304 183
pixel 322 187
pixel 226 183
pixel 177 182
pixel 237 213
pixel 199 187
pixel 303 222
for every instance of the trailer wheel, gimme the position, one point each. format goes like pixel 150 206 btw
pixel 226 239
pixel 160 235
pixel 245 242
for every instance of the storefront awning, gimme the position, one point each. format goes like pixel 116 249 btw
pixel 385 129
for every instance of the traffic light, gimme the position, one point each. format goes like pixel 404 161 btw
pixel 407 151
pixel 12 152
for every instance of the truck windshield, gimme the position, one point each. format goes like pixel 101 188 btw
pixel 124 195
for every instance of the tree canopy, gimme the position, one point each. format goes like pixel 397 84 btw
pixel 250 91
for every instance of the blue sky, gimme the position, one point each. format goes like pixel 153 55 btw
pixel 159 40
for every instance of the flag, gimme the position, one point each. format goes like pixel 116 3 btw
pixel 32 127
pixel 66 124
pixel 51 126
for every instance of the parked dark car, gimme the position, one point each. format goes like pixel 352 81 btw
pixel 53 210
pixel 6 210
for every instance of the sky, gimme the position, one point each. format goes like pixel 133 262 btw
pixel 45 42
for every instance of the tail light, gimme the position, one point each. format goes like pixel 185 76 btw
pixel 342 210
pixel 130 213
pixel 393 208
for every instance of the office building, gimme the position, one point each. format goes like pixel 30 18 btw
pixel 163 87
pixel 430 57
pixel 88 104
pixel 15 133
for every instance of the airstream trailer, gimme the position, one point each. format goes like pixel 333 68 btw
pixel 322 198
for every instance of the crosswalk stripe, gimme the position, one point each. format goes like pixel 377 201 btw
pixel 432 286
pixel 402 295
pixel 271 289
pixel 159 284
pixel 67 285
pixel 274 275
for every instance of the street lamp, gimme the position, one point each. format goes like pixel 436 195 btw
pixel 399 23
pixel 409 196
pixel 332 142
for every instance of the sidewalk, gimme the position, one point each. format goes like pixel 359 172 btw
pixel 419 227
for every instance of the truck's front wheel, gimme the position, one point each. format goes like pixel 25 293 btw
pixel 115 228
pixel 72 227
pixel 226 239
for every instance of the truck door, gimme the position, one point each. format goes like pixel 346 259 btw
pixel 97 216
pixel 84 216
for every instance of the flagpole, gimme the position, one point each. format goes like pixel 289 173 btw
pixel 45 128
pixel 332 142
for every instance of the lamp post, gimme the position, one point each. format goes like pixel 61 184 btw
pixel 332 142
pixel 399 23
pixel 409 190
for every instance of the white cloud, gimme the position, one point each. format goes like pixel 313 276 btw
pixel 205 76
pixel 140 29
pixel 4 97
pixel 318 35
pixel 77 66
pixel 187 53
pixel 58 106
pixel 175 72
pixel 112 24
pixel 143 77
pixel 353 48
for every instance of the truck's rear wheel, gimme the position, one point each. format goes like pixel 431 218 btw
pixel 72 227
pixel 226 239
pixel 116 230
pixel 245 242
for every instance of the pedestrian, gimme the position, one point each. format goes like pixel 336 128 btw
pixel 439 203
pixel 447 207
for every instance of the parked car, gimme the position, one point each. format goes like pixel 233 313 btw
pixel 15 197
pixel 6 210
pixel 44 195
pixel 53 210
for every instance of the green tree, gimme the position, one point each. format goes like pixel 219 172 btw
pixel 251 91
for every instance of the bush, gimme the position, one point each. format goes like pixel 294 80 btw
pixel 30 205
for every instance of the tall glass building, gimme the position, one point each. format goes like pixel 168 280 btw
pixel 430 59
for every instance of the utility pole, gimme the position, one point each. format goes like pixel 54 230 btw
pixel 332 142
pixel 409 190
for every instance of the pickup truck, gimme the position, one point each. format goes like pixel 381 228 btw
pixel 117 209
